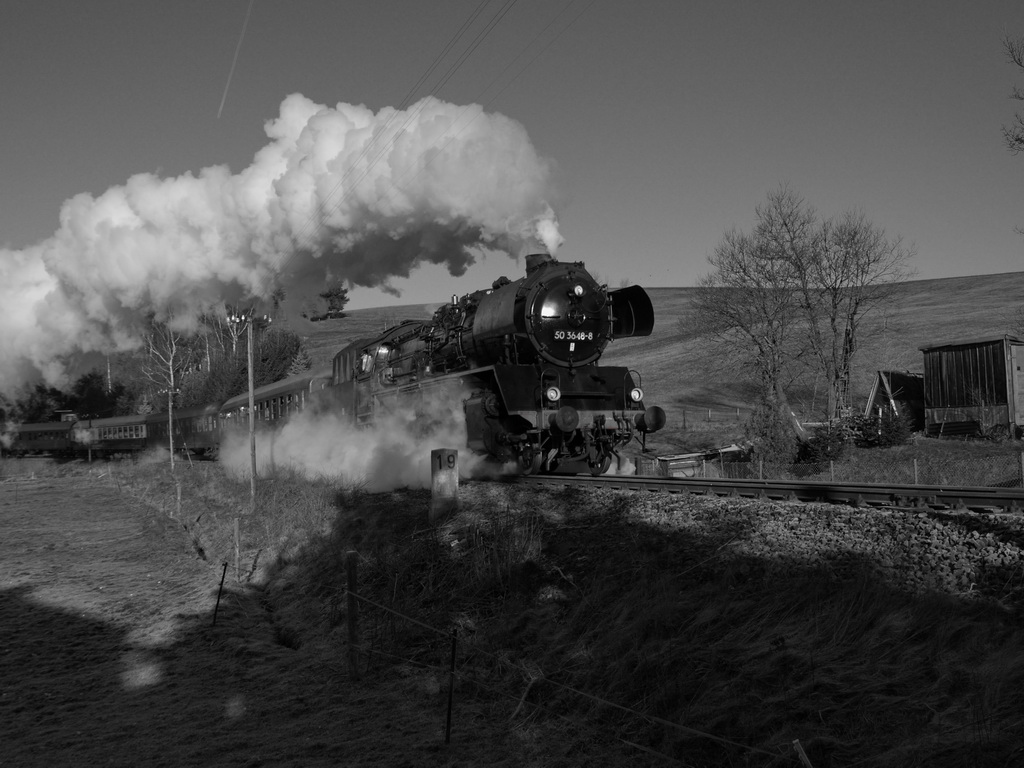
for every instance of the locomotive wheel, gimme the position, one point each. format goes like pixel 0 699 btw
pixel 530 461
pixel 600 465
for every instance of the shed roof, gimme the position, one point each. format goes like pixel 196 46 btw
pixel 972 342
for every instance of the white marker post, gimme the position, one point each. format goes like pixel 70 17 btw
pixel 444 476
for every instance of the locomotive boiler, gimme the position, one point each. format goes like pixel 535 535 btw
pixel 523 356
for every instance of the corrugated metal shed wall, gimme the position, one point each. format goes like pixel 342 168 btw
pixel 963 376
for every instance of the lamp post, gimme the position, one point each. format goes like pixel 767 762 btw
pixel 236 318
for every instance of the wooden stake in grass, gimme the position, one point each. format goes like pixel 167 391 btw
pixel 351 564
pixel 219 591
pixel 801 754
pixel 451 688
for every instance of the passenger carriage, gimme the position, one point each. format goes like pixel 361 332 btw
pixel 196 429
pixel 52 437
pixel 276 402
pixel 111 436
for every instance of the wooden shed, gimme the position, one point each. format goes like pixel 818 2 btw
pixel 975 387
pixel 900 392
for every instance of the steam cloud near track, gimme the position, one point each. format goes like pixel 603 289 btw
pixel 395 453
pixel 339 192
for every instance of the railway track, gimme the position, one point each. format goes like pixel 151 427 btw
pixel 975 498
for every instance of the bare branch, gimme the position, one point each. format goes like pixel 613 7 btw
pixel 1014 48
pixel 1013 135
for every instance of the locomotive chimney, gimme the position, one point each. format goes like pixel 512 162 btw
pixel 537 260
pixel 536 254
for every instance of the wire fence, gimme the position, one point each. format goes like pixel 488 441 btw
pixel 471 663
pixel 1000 471
pixel 691 417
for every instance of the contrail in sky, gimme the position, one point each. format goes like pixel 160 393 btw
pixel 234 61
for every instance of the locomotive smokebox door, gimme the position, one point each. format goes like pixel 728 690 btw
pixel 444 476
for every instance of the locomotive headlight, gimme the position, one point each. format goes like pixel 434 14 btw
pixel 553 394
pixel 636 394
pixel 577 290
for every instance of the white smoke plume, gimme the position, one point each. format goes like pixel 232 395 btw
pixel 621 465
pixel 340 191
pixel 394 453
pixel 7 431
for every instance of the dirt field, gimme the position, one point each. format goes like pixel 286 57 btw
pixel 108 657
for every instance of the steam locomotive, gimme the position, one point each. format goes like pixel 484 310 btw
pixel 522 357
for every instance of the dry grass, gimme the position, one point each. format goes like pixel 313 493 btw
pixel 655 605
pixel 593 593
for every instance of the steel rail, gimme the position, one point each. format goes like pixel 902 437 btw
pixel 979 498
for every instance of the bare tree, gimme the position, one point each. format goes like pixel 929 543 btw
pixel 850 270
pixel 749 301
pixel 1013 134
pixel 169 355
pixel 1015 321
pixel 790 298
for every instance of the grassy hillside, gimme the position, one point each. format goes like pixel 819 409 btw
pixel 325 338
pixel 930 312
pixel 681 372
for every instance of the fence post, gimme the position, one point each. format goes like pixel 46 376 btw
pixel 684 418
pixel 451 688
pixel 1022 470
pixel 915 470
pixel 220 591
pixel 351 561
pixel 831 471
pixel 801 754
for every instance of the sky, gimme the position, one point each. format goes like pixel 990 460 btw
pixel 648 129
